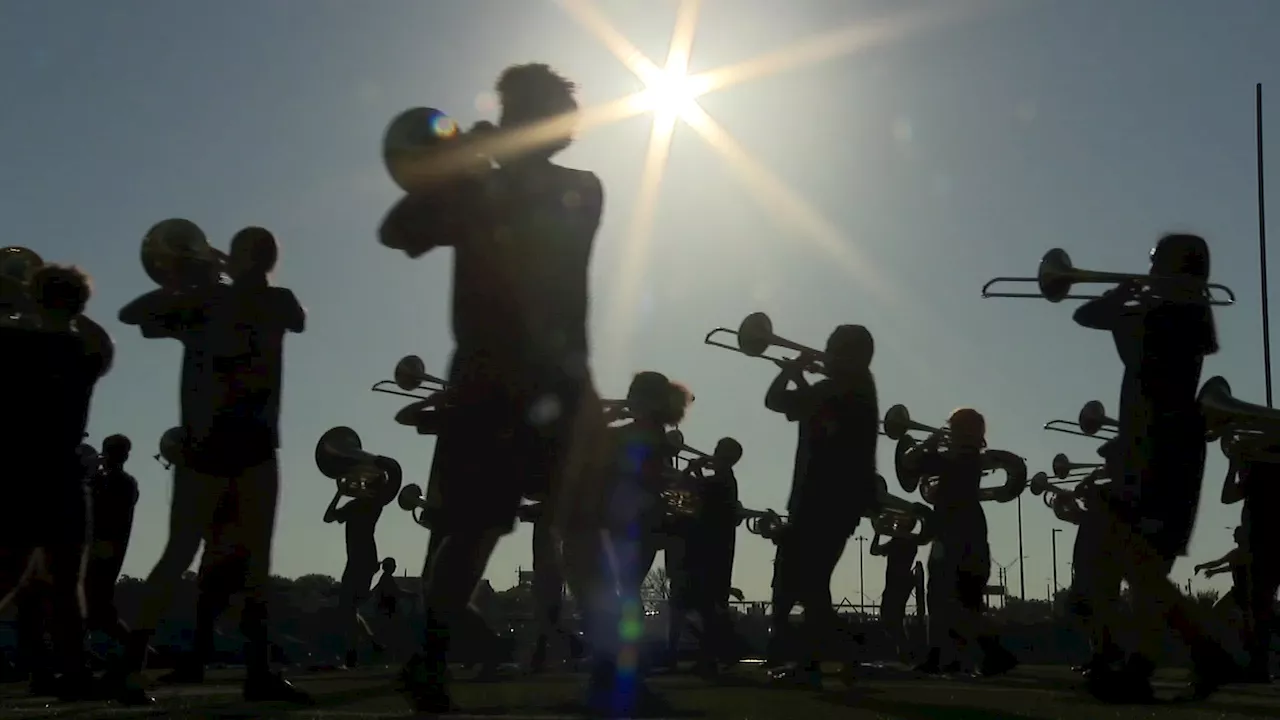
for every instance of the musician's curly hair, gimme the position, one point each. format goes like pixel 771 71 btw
pixel 534 92
pixel 653 393
pixel 61 288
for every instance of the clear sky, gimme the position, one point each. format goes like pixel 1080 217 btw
pixel 940 155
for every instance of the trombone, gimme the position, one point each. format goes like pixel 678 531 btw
pixel 1056 277
pixel 1065 504
pixel 754 338
pixel 1093 419
pixel 170 450
pixel 358 473
pixel 410 374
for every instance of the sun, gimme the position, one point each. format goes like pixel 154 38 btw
pixel 671 92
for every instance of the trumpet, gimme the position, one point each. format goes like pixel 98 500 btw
pixel 410 375
pixel 176 255
pixel 171 443
pixel 1093 419
pixel 358 473
pixel 411 500
pixel 765 523
pixel 1063 467
pixel 755 337
pixel 423 146
pixel 681 496
pixel 1056 277
pixel 898 518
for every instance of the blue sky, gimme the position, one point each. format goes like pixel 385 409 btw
pixel 941 157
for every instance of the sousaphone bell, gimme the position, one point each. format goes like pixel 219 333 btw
pixel 358 473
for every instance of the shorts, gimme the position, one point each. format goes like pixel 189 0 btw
pixel 806 558
pixel 503 442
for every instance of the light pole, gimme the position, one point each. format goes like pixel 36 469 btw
pixel 1022 571
pixel 862 596
pixel 1053 544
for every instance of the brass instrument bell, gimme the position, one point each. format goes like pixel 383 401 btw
pixel 171 444
pixel 1093 418
pixel 358 473
pixel 412 148
pixel 411 500
pixel 1224 413
pixel 1063 467
pixel 411 373
pixel 176 255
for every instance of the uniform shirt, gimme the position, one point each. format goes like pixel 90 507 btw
pixel 899 554
pixel 522 239
pixel 835 467
pixel 958 517
pixel 50 380
pixel 115 496
pixel 361 522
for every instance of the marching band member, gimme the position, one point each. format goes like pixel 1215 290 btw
pixel 53 365
pixel 522 237
pixel 1236 562
pixel 114 494
pixel 709 550
pixel 960 557
pixel 228 486
pixel 835 479
pixel 632 517
pixel 899 554
pixel 1257 483
pixel 1095 583
pixel 360 516
pixel 1163 328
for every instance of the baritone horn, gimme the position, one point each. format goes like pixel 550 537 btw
pixel 358 473
pixel 1225 414
pixel 754 337
pixel 1056 277
pixel 901 518
pixel 425 149
pixel 411 500
pixel 176 255
pixel 897 423
pixel 171 443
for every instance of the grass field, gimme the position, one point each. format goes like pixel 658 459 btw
pixel 1029 692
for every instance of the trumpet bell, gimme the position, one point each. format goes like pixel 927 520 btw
pixel 675 439
pixel 896 422
pixel 410 139
pixel 904 465
pixel 755 334
pixel 1039 483
pixel 171 443
pixel 409 373
pixel 176 254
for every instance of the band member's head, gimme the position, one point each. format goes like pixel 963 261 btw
pixel 389 566
pixel 654 397
pixel 849 349
pixel 1187 256
pixel 727 453
pixel 254 252
pixel 60 292
pixel 967 429
pixel 115 451
pixel 537 98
